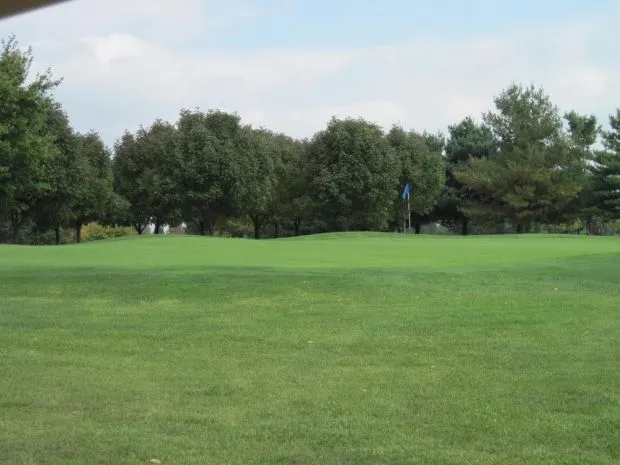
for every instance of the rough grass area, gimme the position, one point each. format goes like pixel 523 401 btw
pixel 336 349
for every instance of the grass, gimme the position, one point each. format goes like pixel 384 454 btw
pixel 334 349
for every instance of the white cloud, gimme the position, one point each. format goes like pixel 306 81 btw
pixel 116 47
pixel 128 62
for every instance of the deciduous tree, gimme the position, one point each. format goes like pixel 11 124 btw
pixel 91 180
pixel 421 165
pixel 259 182
pixel 157 147
pixel 352 173
pixel 131 182
pixel 210 160
pixel 25 142
pixel 53 210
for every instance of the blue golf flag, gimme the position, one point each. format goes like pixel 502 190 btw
pixel 406 192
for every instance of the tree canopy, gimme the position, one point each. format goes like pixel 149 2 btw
pixel 522 166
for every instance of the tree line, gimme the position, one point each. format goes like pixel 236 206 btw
pixel 523 167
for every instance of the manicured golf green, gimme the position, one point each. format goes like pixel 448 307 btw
pixel 334 349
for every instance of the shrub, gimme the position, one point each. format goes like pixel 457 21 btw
pixel 96 232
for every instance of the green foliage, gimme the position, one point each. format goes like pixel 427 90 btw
pixel 25 145
pixel 611 138
pixel 614 227
pixel 467 140
pixel 210 151
pixel 54 207
pixel 524 166
pixel 91 181
pixel 144 178
pixel 157 147
pixel 600 201
pixel 525 118
pixel 435 142
pixel 351 172
pixel 259 187
pixel 288 205
pixel 583 129
pixel 421 164
pixel 95 232
pixel 294 202
pixel 604 189
pixel 131 183
pixel 535 174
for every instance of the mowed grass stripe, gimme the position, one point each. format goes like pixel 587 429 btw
pixel 265 362
pixel 326 251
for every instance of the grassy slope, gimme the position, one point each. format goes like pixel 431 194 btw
pixel 343 349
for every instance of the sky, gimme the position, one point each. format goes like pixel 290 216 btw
pixel 290 65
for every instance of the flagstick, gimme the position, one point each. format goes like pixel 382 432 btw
pixel 409 213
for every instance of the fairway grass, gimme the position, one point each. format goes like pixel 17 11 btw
pixel 333 349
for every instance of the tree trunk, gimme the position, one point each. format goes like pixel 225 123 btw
pixel 139 228
pixel 201 227
pixel 257 225
pixel 15 227
pixel 297 226
pixel 57 235
pixel 157 226
pixel 211 227
pixel 418 228
pixel 78 232
pixel 520 228
pixel 465 227
pixel 276 226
